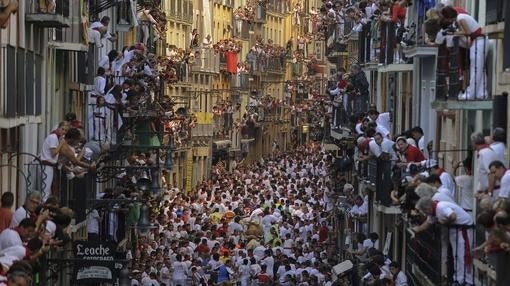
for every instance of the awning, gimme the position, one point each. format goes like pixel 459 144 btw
pixel 330 147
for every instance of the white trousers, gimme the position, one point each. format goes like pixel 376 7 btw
pixel 477 78
pixel 462 273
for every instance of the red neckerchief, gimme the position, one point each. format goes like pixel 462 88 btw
pixel 434 207
pixel 441 171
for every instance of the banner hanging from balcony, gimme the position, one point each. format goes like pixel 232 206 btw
pixel 231 61
pixel 97 262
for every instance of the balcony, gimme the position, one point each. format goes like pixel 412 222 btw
pixel 428 259
pixel 49 17
pixel 208 62
pixel 379 175
pixel 453 77
pixel 240 81
pixel 384 53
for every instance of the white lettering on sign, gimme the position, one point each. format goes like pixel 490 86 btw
pixel 96 251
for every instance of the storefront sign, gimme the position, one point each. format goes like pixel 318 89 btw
pixel 97 262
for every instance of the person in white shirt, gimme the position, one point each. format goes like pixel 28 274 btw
pixel 16 237
pixel 417 133
pixel 435 181
pixel 446 179
pixel 93 225
pixel 49 155
pixel 485 156
pixel 497 143
pixel 381 145
pixel 465 183
pixel 399 277
pixel 498 170
pixel 383 121
pixel 99 85
pixel 100 122
pixel 27 210
pixel 180 271
pixel 460 234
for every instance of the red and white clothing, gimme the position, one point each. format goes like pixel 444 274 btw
pixel 10 238
pixel 413 155
pixel 477 87
pixel 485 157
pixel 49 161
pixel 461 239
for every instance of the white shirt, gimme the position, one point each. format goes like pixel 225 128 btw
pixel 383 120
pixel 401 279
pixel 9 238
pixel 20 214
pixel 504 190
pixel 93 221
pixel 485 157
pixel 385 147
pixel 180 270
pixel 445 209
pixel 500 149
pixel 99 86
pixel 442 195
pixel 361 210
pixel 466 193
pixel 50 142
pixel 448 183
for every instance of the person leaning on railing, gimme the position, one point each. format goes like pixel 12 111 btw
pixel 460 231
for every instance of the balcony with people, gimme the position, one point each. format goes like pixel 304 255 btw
pixel 49 14
pixel 461 68
pixel 444 241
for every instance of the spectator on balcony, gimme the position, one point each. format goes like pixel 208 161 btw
pixel 382 148
pixel 360 84
pixel 399 277
pixel 50 151
pixel 460 234
pixel 497 142
pixel 93 225
pixel 6 11
pixel 465 184
pixel 99 86
pixel 500 173
pixel 100 122
pixel 99 30
pixel 207 43
pixel 47 6
pixel 468 27
pixel 72 138
pixel 17 236
pixel 441 193
pixel 7 201
pixel 382 120
pixel 408 153
pixel 27 210
pixel 359 212
pixel 418 136
pixel 486 156
pixel 447 181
